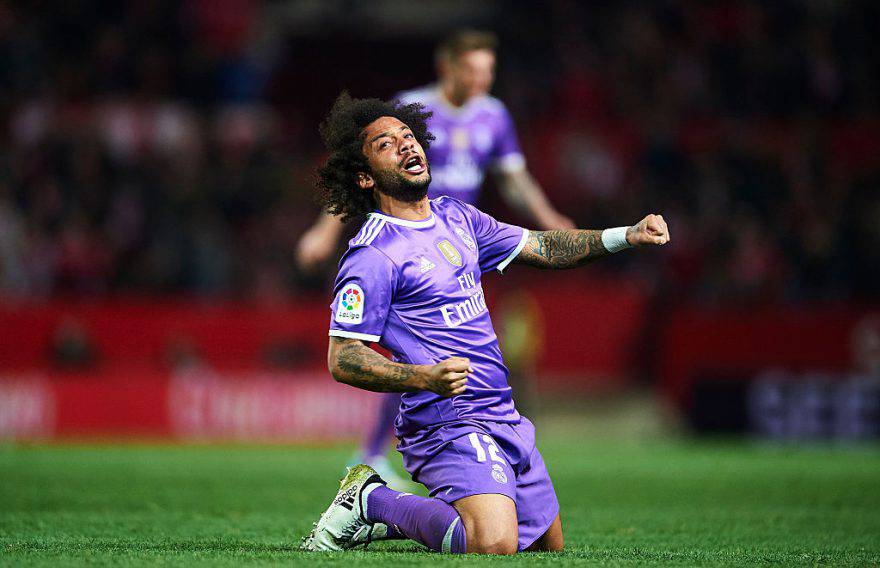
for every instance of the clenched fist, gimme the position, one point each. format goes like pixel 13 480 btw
pixel 318 243
pixel 314 247
pixel 651 230
pixel 448 377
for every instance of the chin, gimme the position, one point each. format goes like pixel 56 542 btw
pixel 418 182
pixel 409 189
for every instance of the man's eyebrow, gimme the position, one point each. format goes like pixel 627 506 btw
pixel 404 127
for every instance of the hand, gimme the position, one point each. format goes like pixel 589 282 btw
pixel 651 230
pixel 316 245
pixel 448 377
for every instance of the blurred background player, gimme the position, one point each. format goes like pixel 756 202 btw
pixel 474 133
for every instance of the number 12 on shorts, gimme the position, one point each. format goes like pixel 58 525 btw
pixel 490 446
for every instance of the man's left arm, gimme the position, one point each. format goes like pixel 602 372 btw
pixel 522 192
pixel 576 247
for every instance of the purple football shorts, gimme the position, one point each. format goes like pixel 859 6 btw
pixel 474 457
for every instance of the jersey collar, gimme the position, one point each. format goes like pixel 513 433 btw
pixel 423 224
pixel 461 112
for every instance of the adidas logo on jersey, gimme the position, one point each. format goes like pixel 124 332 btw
pixel 426 265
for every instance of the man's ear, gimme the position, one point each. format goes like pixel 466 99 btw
pixel 365 181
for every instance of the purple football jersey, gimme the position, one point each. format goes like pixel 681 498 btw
pixel 467 141
pixel 414 287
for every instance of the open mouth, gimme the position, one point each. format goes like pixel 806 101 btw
pixel 414 164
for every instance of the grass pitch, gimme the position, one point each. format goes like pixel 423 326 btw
pixel 622 504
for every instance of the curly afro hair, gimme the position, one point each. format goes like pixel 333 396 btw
pixel 341 131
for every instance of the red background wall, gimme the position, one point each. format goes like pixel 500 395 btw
pixel 586 338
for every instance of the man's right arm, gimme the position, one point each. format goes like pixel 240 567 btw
pixel 351 362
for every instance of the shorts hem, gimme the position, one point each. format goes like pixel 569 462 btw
pixel 450 500
pixel 542 532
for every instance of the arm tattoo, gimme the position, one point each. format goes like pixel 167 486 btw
pixel 562 249
pixel 355 364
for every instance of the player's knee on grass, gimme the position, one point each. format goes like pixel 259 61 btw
pixel 490 524
pixel 489 537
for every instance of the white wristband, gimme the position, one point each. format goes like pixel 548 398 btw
pixel 615 239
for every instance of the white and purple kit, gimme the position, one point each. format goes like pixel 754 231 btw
pixel 415 288
pixel 469 140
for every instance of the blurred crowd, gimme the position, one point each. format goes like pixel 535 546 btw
pixel 149 147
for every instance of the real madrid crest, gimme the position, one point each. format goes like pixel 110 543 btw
pixel 450 253
pixel 462 234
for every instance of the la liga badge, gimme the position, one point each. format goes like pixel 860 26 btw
pixel 350 307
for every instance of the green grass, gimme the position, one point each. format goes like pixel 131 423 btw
pixel 622 503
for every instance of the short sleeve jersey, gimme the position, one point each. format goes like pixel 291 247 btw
pixel 415 288
pixel 467 141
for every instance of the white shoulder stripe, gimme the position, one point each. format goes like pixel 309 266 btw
pixel 374 233
pixel 365 230
pixel 360 234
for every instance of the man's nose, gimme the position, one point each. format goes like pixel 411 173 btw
pixel 406 146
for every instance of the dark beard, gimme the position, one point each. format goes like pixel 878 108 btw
pixel 393 184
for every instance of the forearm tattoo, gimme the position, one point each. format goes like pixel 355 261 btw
pixel 562 249
pixel 359 366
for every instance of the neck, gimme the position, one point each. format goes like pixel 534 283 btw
pixel 448 93
pixel 409 211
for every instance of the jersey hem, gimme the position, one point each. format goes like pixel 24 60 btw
pixel 354 335
pixel 522 243
pixel 457 419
